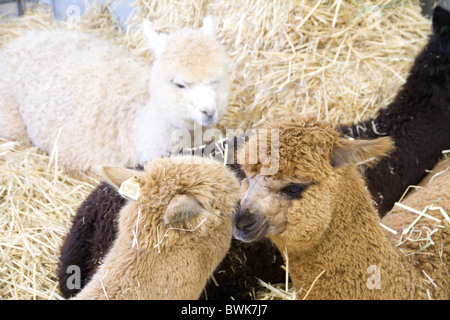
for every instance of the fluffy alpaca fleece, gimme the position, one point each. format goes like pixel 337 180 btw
pixel 173 236
pixel 417 120
pixel 317 209
pixel 107 104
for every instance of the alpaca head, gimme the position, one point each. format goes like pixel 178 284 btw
pixel 178 193
pixel 189 80
pixel 295 205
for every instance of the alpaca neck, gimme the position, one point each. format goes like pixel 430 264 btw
pixel 354 253
pixel 151 134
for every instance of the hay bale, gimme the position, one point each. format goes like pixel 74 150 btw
pixel 339 60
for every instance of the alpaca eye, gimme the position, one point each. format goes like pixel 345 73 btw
pixel 180 85
pixel 293 190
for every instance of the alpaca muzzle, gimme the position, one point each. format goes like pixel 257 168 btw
pixel 203 99
pixel 249 227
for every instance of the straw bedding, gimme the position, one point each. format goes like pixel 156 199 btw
pixel 37 202
pixel 338 60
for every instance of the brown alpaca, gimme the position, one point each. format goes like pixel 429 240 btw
pixel 172 238
pixel 317 209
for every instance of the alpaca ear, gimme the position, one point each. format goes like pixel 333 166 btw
pixel 441 28
pixel 181 208
pixel 208 26
pixel 117 175
pixel 347 152
pixel 156 42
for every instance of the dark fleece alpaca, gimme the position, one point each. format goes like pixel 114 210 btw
pixel 418 121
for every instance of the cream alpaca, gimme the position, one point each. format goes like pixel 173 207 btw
pixel 317 209
pixel 109 105
pixel 172 238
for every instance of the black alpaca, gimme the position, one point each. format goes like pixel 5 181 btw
pixel 418 121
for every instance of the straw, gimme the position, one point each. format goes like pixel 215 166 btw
pixel 36 206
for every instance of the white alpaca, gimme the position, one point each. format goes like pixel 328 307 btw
pixel 108 106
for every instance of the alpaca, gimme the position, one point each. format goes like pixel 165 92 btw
pixel 318 210
pixel 92 96
pixel 246 262
pixel 173 236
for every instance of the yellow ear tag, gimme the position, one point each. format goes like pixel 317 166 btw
pixel 130 188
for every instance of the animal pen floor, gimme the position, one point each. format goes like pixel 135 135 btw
pixel 338 60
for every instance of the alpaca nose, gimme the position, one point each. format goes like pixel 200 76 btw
pixel 245 221
pixel 249 227
pixel 208 111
